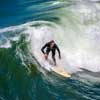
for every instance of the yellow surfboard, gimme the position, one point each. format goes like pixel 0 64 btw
pixel 60 71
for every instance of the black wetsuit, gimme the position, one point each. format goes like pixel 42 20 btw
pixel 53 50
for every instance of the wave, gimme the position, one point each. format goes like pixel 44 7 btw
pixel 74 25
pixel 76 32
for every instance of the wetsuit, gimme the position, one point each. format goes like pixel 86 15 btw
pixel 53 50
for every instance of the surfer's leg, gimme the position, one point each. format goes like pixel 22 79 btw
pixel 53 57
pixel 47 53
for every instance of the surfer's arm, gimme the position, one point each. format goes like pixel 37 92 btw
pixel 42 49
pixel 58 51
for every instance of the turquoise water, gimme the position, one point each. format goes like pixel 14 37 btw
pixel 74 25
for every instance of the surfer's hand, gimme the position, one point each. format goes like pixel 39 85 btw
pixel 46 56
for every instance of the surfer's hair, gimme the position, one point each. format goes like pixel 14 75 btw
pixel 52 41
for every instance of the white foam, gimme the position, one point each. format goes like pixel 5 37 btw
pixel 72 58
pixel 6 45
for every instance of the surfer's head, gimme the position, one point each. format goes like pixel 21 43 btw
pixel 52 43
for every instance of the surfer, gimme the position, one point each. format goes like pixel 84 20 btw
pixel 51 46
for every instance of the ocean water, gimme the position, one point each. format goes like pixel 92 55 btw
pixel 26 25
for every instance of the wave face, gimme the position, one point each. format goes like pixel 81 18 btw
pixel 25 26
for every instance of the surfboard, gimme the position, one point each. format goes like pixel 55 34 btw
pixel 49 65
pixel 60 71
